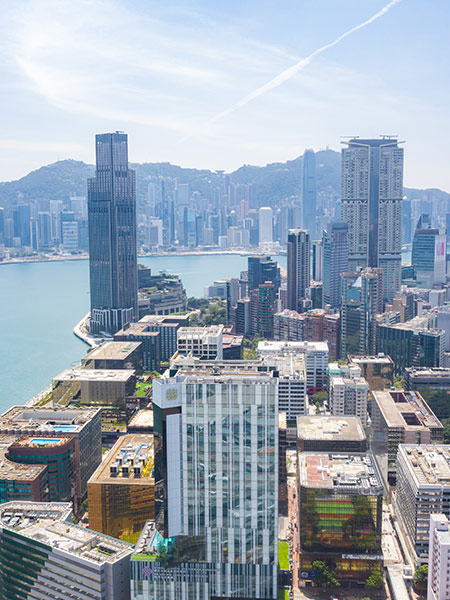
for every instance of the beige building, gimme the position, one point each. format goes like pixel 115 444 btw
pixel 114 355
pixel 97 387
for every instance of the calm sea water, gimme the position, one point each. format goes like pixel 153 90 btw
pixel 41 302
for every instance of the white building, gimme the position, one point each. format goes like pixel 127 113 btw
pixel 265 218
pixel 315 356
pixel 62 560
pixel 439 558
pixel 219 466
pixel 292 396
pixel 348 395
pixel 205 342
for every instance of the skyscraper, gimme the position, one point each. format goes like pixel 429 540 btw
pixel 428 254
pixel 262 269
pixel 372 190
pixel 335 261
pixel 298 260
pixel 309 192
pixel 112 236
pixel 265 217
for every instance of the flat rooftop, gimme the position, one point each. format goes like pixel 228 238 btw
pixel 217 370
pixel 428 464
pixel 347 473
pixel 274 347
pixel 211 331
pixel 129 462
pixel 22 419
pixel 380 359
pixel 142 418
pixel 113 351
pixel 141 328
pixel 47 524
pixel 80 374
pixel 10 470
pixel 405 409
pixel 428 373
pixel 327 427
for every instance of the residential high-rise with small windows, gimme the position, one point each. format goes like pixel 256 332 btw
pixel 371 204
pixel 349 393
pixel 112 236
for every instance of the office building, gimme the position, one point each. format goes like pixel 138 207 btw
pixel 335 261
pixel 112 236
pixel 70 236
pixel 429 255
pixel 243 316
pixel 317 260
pixel 232 346
pixel 309 193
pixel 262 308
pixel 81 426
pixel 438 558
pixel 265 225
pixel 326 433
pixel 340 498
pixel 222 513
pixel 121 492
pixel 411 344
pixel 298 267
pixel 44 230
pixel 349 394
pixel 289 325
pixel 262 269
pixel 423 489
pixel 22 224
pixel 371 204
pixel 292 384
pixel 400 417
pixel 362 300
pixel 98 387
pixel 377 370
pixel 114 355
pixel 204 342
pixel 44 555
pixel 433 378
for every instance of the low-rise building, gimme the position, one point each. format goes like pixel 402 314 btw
pixel 114 355
pixel 233 346
pixel 204 342
pixel 44 555
pixel 340 500
pixel 93 387
pixel 377 370
pixel 327 433
pixel 423 488
pixel 141 421
pixel 400 417
pixel 121 492
pixel 436 378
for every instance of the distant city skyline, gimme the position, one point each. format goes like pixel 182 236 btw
pixel 217 86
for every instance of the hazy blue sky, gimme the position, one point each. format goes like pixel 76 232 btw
pixel 173 76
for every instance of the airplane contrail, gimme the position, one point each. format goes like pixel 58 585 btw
pixel 299 66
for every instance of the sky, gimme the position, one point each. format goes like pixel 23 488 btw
pixel 214 84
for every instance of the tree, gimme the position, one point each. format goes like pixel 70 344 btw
pixel 421 576
pixel 324 575
pixel 319 397
pixel 446 432
pixel 375 581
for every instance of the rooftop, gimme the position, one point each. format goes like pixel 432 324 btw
pixel 113 351
pixel 141 328
pixel 347 473
pixel 405 409
pixel 142 418
pixel 381 359
pixel 428 372
pixel 129 462
pixel 49 523
pixel 186 368
pixel 428 464
pixel 199 332
pixel 327 427
pixel 22 419
pixel 80 374
pixel 274 347
pixel 10 470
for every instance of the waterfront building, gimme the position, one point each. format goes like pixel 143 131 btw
pixel 428 255
pixel 335 261
pixel 204 342
pixel 411 344
pixel 93 387
pixel 81 427
pixel 328 433
pixel 377 370
pixel 349 394
pixel 121 492
pixel 222 513
pixel 314 354
pixel 44 555
pixel 262 269
pixel 114 355
pixel 112 236
pixel 340 500
pixel 309 193
pixel 400 417
pixel 423 489
pixel 371 204
pixel 265 224
pixel 298 267
pixel 438 558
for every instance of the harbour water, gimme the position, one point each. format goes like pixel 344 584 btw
pixel 41 302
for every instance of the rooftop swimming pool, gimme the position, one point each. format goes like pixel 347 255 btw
pixel 45 441
pixel 64 427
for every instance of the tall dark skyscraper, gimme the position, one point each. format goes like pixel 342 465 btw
pixel 262 269
pixel 309 193
pixel 298 266
pixel 335 261
pixel 372 191
pixel 112 236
